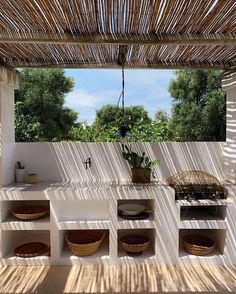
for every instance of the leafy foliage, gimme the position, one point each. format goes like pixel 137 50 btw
pixel 198 112
pixel 41 114
pixel 110 117
pixel 135 160
pixel 27 130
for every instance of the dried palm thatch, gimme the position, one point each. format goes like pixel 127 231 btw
pixel 196 182
pixel 144 33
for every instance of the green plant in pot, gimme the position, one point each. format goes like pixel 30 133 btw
pixel 141 165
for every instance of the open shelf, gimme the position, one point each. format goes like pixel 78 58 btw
pixel 214 212
pixel 218 235
pixel 148 253
pixel 204 202
pixel 11 223
pixel 8 205
pixel 136 224
pixel 88 224
pixel 11 239
pixel 81 210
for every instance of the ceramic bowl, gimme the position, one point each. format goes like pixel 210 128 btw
pixel 131 208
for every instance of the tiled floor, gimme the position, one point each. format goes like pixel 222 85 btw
pixel 117 279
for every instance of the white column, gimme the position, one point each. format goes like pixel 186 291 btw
pixel 229 87
pixel 9 81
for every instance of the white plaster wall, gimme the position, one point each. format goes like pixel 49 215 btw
pixel 64 161
pixel 230 144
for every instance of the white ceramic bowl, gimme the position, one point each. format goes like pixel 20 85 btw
pixel 131 208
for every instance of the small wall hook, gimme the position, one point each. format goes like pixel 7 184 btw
pixel 87 162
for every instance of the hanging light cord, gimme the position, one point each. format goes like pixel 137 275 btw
pixel 122 128
pixel 122 94
pixel 123 90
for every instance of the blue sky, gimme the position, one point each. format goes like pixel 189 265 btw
pixel 95 88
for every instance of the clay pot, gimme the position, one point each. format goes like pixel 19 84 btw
pixel 141 175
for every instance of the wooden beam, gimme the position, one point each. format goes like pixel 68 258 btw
pixel 123 49
pixel 111 65
pixel 118 39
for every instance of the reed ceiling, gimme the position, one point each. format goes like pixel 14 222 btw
pixel 108 33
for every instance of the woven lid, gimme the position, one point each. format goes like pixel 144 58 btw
pixel 195 181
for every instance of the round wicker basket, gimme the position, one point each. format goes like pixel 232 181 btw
pixel 30 212
pixel 198 245
pixel 84 242
pixel 134 244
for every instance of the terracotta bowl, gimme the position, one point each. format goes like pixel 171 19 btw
pixel 134 245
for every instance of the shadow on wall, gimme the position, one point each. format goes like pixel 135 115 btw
pixel 230 144
pixel 65 161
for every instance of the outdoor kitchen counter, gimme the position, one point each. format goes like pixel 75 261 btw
pixel 95 206
pixel 101 190
pixel 83 190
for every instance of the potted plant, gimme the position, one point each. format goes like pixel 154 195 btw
pixel 141 165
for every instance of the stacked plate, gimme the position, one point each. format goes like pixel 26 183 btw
pixel 132 211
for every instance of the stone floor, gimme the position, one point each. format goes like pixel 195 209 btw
pixel 117 279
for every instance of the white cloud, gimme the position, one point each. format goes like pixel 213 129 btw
pixel 81 98
pixel 84 98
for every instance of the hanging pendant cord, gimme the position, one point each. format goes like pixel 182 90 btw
pixel 122 94
pixel 123 90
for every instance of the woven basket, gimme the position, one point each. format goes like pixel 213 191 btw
pixel 30 212
pixel 198 245
pixel 84 242
pixel 134 244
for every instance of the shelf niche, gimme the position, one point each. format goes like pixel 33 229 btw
pixel 148 203
pixel 102 252
pixel 208 212
pixel 11 239
pixel 218 235
pixel 81 210
pixel 8 205
pixel 149 252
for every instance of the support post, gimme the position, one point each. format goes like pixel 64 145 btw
pixel 9 81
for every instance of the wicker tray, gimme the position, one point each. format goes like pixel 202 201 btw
pixel 84 242
pixel 196 182
pixel 30 212
pixel 198 245
pixel 134 245
pixel 31 249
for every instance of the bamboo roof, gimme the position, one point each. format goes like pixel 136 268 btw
pixel 108 33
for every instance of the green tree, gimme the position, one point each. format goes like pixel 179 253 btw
pixel 81 132
pixel 109 117
pixel 154 131
pixel 27 130
pixel 161 115
pixel 40 112
pixel 198 111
